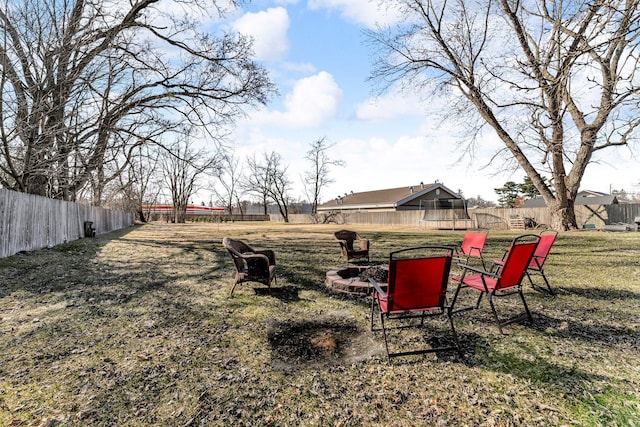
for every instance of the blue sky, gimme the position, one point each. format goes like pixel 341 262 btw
pixel 317 55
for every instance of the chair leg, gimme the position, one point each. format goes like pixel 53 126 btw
pixel 495 313
pixel 384 332
pixel 544 277
pixel 233 288
pixel 453 332
pixel 479 300
pixel 455 297
pixel 537 287
pixel 373 301
pixel 526 307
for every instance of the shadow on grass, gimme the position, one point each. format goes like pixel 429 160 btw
pixel 283 293
pixel 604 294
pixel 526 364
pixel 596 332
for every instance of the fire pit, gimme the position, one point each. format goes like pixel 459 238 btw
pixel 355 279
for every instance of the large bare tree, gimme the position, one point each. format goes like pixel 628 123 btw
pixel 83 82
pixel 557 81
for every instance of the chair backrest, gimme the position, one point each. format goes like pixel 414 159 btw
pixel 517 260
pixel 547 238
pixel 420 280
pixel 236 248
pixel 236 245
pixel 348 236
pixel 473 243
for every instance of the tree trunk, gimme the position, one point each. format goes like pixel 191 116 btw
pixel 563 217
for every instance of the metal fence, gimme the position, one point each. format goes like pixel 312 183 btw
pixel 29 222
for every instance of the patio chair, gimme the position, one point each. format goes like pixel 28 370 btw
pixel 348 249
pixel 472 246
pixel 505 281
pixel 536 266
pixel 252 265
pixel 416 288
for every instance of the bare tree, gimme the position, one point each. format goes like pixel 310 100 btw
pixel 256 181
pixel 268 180
pixel 228 175
pixel 279 183
pixel 83 82
pixel 140 184
pixel 183 166
pixel 557 81
pixel 317 178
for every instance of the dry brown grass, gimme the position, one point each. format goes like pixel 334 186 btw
pixel 137 328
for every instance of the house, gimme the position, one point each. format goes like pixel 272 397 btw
pixel 584 197
pixel 414 197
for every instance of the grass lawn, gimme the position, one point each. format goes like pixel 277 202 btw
pixel 137 328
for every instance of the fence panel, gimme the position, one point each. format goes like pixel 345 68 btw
pixel 490 218
pixel 626 213
pixel 29 222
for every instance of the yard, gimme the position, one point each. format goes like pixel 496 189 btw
pixel 137 328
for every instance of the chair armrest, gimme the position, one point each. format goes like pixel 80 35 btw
pixel 256 263
pixel 467 267
pixel 377 287
pixel 270 254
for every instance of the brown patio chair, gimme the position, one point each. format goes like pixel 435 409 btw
pixel 252 265
pixel 348 249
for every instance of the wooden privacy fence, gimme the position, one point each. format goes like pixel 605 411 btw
pixel 29 222
pixel 491 218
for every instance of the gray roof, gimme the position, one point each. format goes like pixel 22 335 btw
pixel 387 198
pixel 583 198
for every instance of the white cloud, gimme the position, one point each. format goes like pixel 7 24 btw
pixel 298 67
pixel 312 101
pixel 389 106
pixel 269 31
pixel 362 12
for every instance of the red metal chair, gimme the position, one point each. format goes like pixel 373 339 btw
pixel 536 266
pixel 507 280
pixel 416 288
pixel 472 246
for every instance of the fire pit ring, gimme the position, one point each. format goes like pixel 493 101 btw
pixel 350 280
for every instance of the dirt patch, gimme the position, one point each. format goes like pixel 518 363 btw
pixel 331 340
